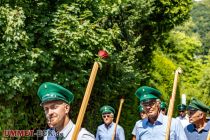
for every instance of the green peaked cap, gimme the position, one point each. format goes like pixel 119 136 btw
pixel 140 108
pixel 107 109
pixel 145 93
pixel 182 107
pixel 163 105
pixel 50 92
pixel 196 104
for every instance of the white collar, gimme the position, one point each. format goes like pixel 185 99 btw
pixel 67 129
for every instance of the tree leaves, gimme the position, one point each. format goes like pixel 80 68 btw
pixel 58 41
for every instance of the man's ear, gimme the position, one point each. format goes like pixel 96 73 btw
pixel 112 115
pixel 67 108
pixel 201 115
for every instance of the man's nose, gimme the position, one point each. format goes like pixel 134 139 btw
pixel 50 111
pixel 148 107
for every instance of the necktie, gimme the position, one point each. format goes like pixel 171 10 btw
pixel 60 137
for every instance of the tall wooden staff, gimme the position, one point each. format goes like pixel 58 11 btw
pixel 208 137
pixel 102 54
pixel 118 117
pixel 171 104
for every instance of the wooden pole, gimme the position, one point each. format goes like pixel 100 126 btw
pixel 208 137
pixel 171 104
pixel 118 117
pixel 85 101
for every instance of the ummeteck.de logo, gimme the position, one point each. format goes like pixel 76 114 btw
pixel 30 133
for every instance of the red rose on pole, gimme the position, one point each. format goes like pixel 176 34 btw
pixel 103 54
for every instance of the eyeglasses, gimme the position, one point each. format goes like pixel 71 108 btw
pixel 107 116
pixel 148 103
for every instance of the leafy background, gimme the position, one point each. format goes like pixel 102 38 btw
pixel 58 41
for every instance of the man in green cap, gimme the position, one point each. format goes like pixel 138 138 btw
pixel 163 108
pixel 55 101
pixel 142 115
pixel 106 130
pixel 154 127
pixel 183 117
pixel 199 127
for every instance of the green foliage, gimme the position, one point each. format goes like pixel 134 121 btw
pixel 17 75
pixel 183 48
pixel 204 85
pixel 168 13
pixel 162 74
pixel 51 40
pixel 201 16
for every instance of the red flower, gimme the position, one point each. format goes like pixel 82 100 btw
pixel 103 54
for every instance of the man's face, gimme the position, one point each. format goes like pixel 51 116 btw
pixel 182 113
pixel 195 116
pixel 108 118
pixel 163 111
pixel 55 112
pixel 151 107
pixel 143 115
